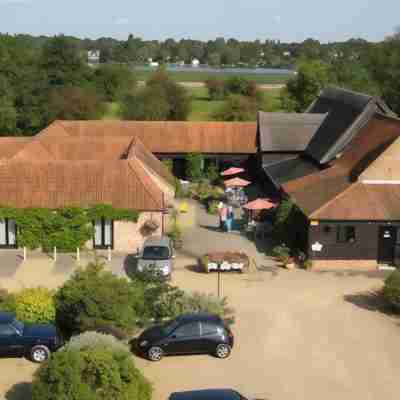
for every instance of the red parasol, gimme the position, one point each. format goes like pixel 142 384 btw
pixel 236 182
pixel 260 204
pixel 232 171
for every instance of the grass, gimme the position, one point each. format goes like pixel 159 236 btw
pixel 197 76
pixel 202 107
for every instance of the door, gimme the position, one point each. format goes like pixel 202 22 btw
pixel 10 342
pixel 103 234
pixel 386 244
pixel 185 339
pixel 211 335
pixel 8 237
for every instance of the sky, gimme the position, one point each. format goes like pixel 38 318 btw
pixel 287 20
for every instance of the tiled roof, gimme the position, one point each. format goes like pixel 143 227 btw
pixel 285 132
pixel 53 184
pixel 9 146
pixel 174 137
pixel 312 192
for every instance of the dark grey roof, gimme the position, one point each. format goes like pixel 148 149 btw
pixel 348 112
pixel 287 132
pixel 290 169
pixel 275 158
pixel 207 394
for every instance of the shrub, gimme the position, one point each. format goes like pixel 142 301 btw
pixel 7 301
pixel 180 193
pixel 194 166
pixel 212 173
pixel 282 253
pixel 213 207
pixel 391 289
pixel 216 88
pixel 93 339
pixel 307 264
pixel 90 372
pixel 237 108
pixel 93 298
pixel 35 305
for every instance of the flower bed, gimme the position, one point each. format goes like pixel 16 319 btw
pixel 225 261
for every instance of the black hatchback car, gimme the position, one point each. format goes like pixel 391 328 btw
pixel 32 340
pixel 208 394
pixel 187 334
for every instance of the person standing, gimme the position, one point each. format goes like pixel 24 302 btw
pixel 229 219
pixel 224 215
pixel 220 206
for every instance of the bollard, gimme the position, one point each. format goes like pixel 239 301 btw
pixel 109 253
pixel 24 253
pixel 77 254
pixel 55 254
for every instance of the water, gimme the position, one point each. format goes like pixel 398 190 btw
pixel 211 70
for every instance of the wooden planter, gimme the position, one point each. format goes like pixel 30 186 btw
pixel 225 261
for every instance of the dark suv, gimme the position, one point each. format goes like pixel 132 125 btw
pixel 187 334
pixel 32 340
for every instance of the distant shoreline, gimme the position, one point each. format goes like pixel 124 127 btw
pixel 261 86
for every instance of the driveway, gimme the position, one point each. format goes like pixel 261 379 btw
pixel 299 335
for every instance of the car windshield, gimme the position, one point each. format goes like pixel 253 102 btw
pixel 155 253
pixel 18 325
pixel 169 327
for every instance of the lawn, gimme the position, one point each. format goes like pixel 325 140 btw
pixel 202 106
pixel 197 76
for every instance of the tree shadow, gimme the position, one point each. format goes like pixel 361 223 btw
pixel 371 301
pixel 130 264
pixel 20 391
pixel 212 228
pixel 195 268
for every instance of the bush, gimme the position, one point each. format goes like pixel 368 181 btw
pixel 216 88
pixel 194 166
pixel 212 173
pixel 94 299
pixel 83 371
pixel 391 289
pixel 35 305
pixel 282 253
pixel 213 207
pixel 7 301
pixel 94 339
pixel 237 108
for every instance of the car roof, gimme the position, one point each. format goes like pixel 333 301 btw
pixel 157 241
pixel 208 394
pixel 6 317
pixel 199 317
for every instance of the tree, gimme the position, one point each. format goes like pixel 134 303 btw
pixel 303 89
pixel 113 82
pixel 194 166
pixel 161 100
pixel 391 290
pixel 147 104
pixel 73 103
pixel 95 299
pixel 63 63
pixel 99 370
pixel 237 108
pixel 216 88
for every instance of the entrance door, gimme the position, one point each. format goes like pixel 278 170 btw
pixel 103 234
pixel 8 237
pixel 386 244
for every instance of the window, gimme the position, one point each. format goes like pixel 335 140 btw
pixel 209 329
pixel 103 234
pixel 8 229
pixel 346 234
pixel 188 330
pixel 156 253
pixel 6 330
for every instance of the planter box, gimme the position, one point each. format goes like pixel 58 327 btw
pixel 225 261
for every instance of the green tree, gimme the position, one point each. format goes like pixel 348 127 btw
pixel 96 299
pixel 114 81
pixel 147 104
pixel 63 62
pixel 303 89
pixel 92 372
pixel 73 103
pixel 237 108
pixel 194 166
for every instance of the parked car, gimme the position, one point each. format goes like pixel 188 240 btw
pixel 208 394
pixel 187 334
pixel 32 340
pixel 157 255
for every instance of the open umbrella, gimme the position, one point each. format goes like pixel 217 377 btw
pixel 260 204
pixel 236 182
pixel 232 171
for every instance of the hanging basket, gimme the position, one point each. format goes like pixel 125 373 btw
pixel 149 227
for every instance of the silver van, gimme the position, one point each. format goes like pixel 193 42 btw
pixel 157 254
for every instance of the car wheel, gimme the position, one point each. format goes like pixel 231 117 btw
pixel 155 353
pixel 40 354
pixel 223 351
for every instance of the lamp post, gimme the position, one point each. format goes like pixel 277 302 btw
pixel 219 280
